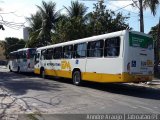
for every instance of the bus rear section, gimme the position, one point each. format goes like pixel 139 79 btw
pixel 138 57
pixel 30 60
pixel 22 60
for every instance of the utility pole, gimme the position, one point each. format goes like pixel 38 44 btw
pixel 141 16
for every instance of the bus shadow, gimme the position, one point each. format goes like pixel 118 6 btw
pixel 19 84
pixel 126 89
pixel 116 88
pixel 119 88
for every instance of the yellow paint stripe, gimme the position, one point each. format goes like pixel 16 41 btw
pixel 37 71
pixel 98 77
pixel 59 73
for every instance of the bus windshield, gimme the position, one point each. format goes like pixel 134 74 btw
pixel 136 40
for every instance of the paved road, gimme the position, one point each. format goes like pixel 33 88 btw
pixel 60 96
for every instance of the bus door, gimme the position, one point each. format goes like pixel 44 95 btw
pixel 30 58
pixel 37 63
pixel 94 60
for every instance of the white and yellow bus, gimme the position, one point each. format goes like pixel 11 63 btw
pixel 123 56
pixel 22 60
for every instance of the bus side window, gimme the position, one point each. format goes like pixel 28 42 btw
pixel 58 53
pixel 80 50
pixel 24 54
pixel 20 55
pixel 95 48
pixel 49 54
pixel 112 47
pixel 32 53
pixel 68 52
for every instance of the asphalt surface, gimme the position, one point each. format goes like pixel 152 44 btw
pixel 59 96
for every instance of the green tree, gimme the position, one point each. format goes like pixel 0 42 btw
pixel 77 24
pixel 73 25
pixel 76 20
pixel 12 44
pixel 154 32
pixel 35 22
pixel 42 24
pixel 61 33
pixel 76 9
pixel 49 18
pixel 102 21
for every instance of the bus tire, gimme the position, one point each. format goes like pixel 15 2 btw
pixel 10 69
pixel 42 73
pixel 76 77
pixel 18 70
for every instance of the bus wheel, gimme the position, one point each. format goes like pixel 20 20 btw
pixel 42 73
pixel 10 69
pixel 76 78
pixel 18 70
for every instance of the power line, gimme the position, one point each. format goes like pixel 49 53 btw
pixel 13 14
pixel 122 8
pixel 12 25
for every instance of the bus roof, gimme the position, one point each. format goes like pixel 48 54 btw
pixel 93 38
pixel 12 52
pixel 21 50
pixel 25 49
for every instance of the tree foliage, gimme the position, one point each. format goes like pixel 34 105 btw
pixel 103 21
pixel 78 24
pixel 152 4
pixel 143 5
pixel 154 32
pixel 35 23
pixel 49 27
pixel 41 25
pixel 12 44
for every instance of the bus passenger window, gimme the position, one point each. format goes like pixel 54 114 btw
pixel 112 47
pixel 58 53
pixel 68 52
pixel 95 48
pixel 49 54
pixel 80 50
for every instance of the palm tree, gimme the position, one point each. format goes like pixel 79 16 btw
pixel 76 20
pixel 76 9
pixel 49 18
pixel 143 4
pixel 35 22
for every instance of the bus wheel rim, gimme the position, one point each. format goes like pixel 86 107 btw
pixel 76 78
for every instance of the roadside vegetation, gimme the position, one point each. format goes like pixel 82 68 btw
pixel 49 26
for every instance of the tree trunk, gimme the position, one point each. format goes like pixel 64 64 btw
pixel 141 16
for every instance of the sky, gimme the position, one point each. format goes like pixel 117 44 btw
pixel 15 11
